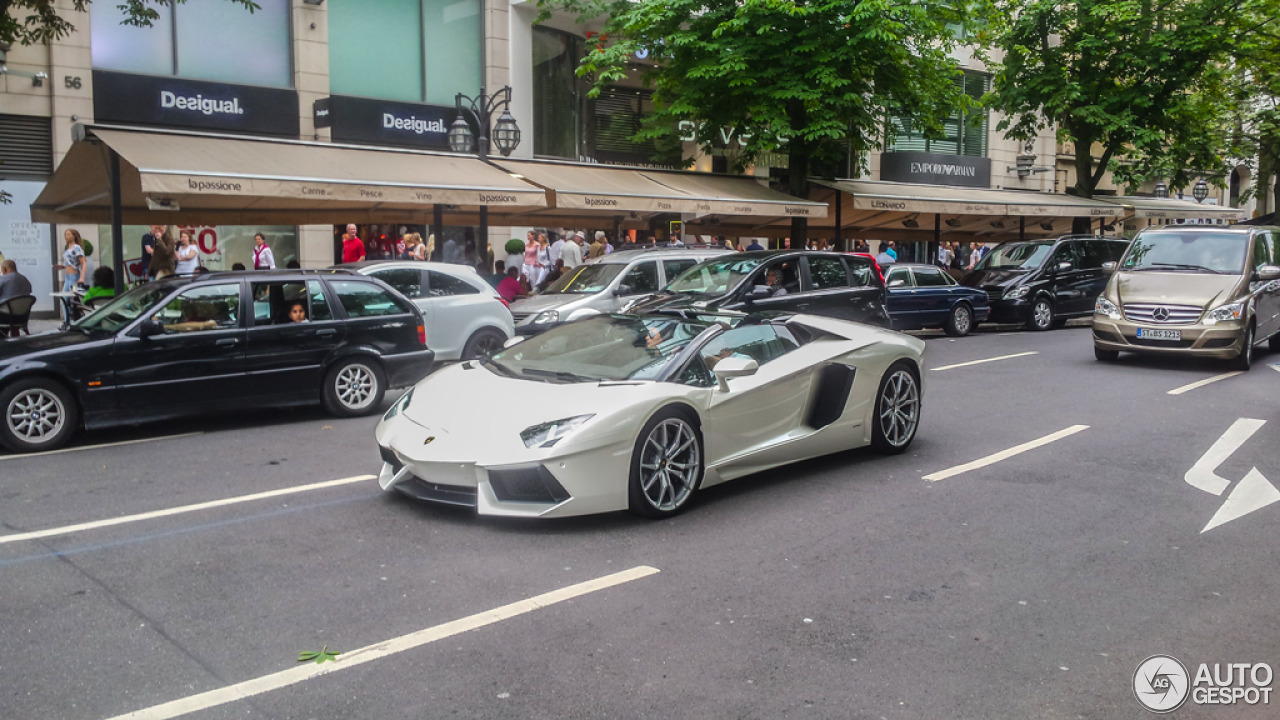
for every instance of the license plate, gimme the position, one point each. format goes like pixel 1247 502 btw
pixel 1159 334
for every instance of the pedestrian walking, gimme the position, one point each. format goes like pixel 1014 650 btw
pixel 571 253
pixel 352 245
pixel 188 255
pixel 74 266
pixel 943 259
pixel 262 257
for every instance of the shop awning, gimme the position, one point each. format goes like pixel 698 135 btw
pixel 883 196
pixel 221 179
pixel 1173 208
pixel 601 191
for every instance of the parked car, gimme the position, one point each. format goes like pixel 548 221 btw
pixel 925 296
pixel 1194 290
pixel 605 284
pixel 465 316
pixel 848 287
pixel 222 342
pixel 638 412
pixel 1043 283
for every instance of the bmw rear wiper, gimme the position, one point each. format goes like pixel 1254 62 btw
pixel 1182 266
pixel 557 375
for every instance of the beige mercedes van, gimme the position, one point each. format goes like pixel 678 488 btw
pixel 1197 290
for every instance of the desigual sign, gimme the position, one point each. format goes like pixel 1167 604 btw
pixel 384 122
pixel 178 102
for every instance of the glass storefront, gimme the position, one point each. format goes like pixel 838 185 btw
pixel 26 243
pixel 221 246
pixel 199 39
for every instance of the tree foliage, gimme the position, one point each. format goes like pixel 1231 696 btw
pixel 810 79
pixel 1139 87
pixel 1257 62
pixel 31 22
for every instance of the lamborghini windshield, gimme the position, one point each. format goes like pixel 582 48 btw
pixel 614 347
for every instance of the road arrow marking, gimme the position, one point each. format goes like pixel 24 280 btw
pixel 1275 366
pixel 1253 493
pixel 1202 475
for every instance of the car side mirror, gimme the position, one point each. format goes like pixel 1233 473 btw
pixel 1064 266
pixel 149 328
pixel 513 340
pixel 622 290
pixel 733 366
pixel 759 292
pixel 1109 266
pixel 897 283
pixel 1268 272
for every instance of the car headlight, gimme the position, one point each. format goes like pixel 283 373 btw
pixel 1222 313
pixel 399 405
pixel 546 316
pixel 1018 292
pixel 1104 306
pixel 549 433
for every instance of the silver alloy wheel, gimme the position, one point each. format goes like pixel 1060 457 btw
pixel 670 461
pixel 960 319
pixel 899 408
pixel 1042 314
pixel 355 386
pixel 35 415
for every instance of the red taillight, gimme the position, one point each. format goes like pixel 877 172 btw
pixel 504 302
pixel 422 335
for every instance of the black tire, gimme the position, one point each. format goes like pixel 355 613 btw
pixel 1042 315
pixel 1105 355
pixel 1244 360
pixel 960 321
pixel 1274 343
pixel 483 343
pixel 659 429
pixel 897 409
pixel 39 414
pixel 353 387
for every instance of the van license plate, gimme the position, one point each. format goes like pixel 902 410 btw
pixel 1159 334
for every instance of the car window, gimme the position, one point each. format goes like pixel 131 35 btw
pixel 1115 250
pixel 203 308
pixel 406 281
pixel 1092 254
pixel 714 277
pixel 827 272
pixel 1015 256
pixel 273 301
pixel 362 299
pixel 900 276
pixel 762 343
pixel 1261 251
pixel 1191 250
pixel 1066 252
pixel 319 306
pixel 929 277
pixel 1275 247
pixel 441 284
pixel 860 270
pixel 643 278
pixel 673 268
pixel 125 309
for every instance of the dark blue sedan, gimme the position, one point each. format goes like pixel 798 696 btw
pixel 924 296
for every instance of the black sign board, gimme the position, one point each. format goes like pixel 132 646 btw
pixel 386 122
pixel 179 102
pixel 935 169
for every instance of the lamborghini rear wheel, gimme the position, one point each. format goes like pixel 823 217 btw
pixel 666 465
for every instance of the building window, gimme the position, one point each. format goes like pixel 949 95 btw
pixel 26 147
pixel 407 50
pixel 964 134
pixel 199 39
pixel 558 94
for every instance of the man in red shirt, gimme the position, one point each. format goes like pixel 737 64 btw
pixel 510 288
pixel 352 245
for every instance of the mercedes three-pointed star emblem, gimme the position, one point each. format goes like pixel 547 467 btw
pixel 1160 314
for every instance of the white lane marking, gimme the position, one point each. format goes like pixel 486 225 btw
pixel 1203 475
pixel 68 529
pixel 294 675
pixel 1252 493
pixel 23 456
pixel 1004 454
pixel 1275 366
pixel 1202 383
pixel 986 360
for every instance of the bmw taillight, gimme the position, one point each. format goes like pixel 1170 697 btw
pixel 422 335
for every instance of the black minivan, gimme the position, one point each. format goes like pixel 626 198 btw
pixel 1042 283
pixel 222 342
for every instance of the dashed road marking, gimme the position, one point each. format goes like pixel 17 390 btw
pixel 986 360
pixel 297 674
pixel 69 529
pixel 1201 383
pixel 1004 454
pixel 24 456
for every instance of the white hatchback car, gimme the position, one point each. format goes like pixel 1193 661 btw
pixel 465 316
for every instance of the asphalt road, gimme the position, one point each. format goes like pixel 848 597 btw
pixel 845 587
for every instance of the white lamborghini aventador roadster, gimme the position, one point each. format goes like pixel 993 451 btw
pixel 638 412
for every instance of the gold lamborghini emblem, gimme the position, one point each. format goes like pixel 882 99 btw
pixel 429 440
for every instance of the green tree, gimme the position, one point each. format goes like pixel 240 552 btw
pixel 1257 61
pixel 1138 87
pixel 812 79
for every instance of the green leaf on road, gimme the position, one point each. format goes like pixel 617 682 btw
pixel 319 657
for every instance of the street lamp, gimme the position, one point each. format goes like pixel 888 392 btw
pixel 506 134
pixel 1162 190
pixel 1200 191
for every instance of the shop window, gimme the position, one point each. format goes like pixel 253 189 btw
pixel 558 93
pixel 201 39
pixel 964 134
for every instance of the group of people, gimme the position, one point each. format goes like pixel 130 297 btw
pixel 163 256
pixel 960 256
pixel 409 246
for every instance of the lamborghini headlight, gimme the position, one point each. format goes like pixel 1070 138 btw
pixel 546 316
pixel 1223 313
pixel 549 433
pixel 1104 306
pixel 399 405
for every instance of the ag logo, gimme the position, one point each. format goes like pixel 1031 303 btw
pixel 1161 684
